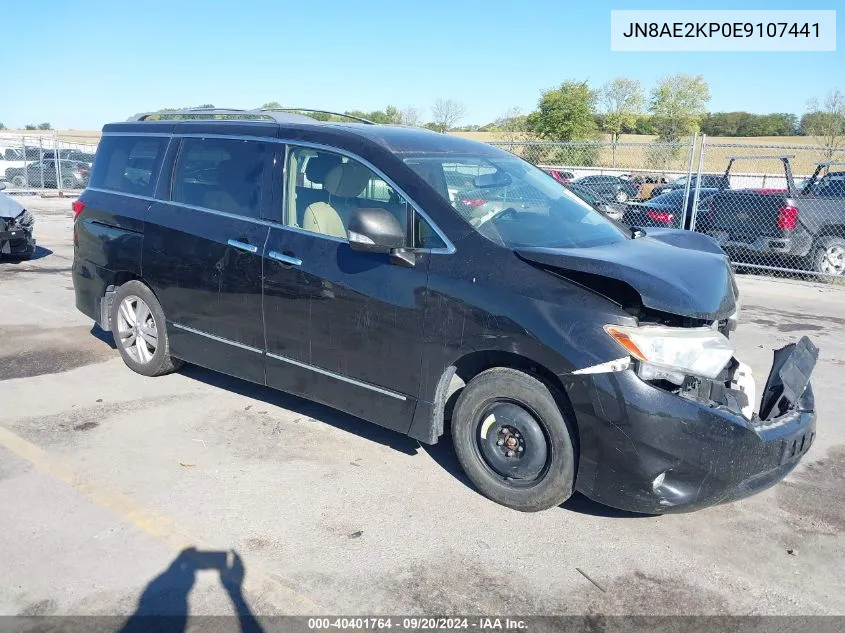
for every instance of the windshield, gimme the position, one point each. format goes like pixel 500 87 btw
pixel 514 204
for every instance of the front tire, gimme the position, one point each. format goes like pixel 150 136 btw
pixel 140 331
pixel 513 441
pixel 622 196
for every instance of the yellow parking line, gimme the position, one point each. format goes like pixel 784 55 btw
pixel 256 581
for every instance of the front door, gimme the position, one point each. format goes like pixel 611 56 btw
pixel 342 327
pixel 203 253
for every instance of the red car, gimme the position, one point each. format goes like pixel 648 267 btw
pixel 560 175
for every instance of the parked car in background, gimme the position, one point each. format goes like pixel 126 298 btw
pixel 708 181
pixel 613 210
pixel 16 224
pixel 560 175
pixel 70 154
pixel 612 187
pixel 803 229
pixel 665 210
pixel 647 184
pixel 11 158
pixel 72 174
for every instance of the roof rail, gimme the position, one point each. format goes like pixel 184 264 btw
pixel 197 113
pixel 280 115
pixel 830 164
pixel 343 114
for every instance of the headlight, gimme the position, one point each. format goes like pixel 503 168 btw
pixel 672 353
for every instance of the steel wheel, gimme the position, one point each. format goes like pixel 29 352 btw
pixel 19 181
pixel 833 260
pixel 137 329
pixel 622 196
pixel 511 442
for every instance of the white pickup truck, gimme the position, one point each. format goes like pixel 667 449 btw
pixel 10 158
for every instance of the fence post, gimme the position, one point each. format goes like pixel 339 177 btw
pixel 41 158
pixel 57 154
pixel 690 155
pixel 698 182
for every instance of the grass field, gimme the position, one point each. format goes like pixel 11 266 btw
pixel 633 152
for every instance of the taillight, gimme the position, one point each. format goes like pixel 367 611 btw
pixel 473 202
pixel 766 191
pixel 787 218
pixel 78 207
pixel 661 216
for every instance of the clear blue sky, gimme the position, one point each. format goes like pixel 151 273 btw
pixel 82 64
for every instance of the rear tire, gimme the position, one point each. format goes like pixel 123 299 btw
pixel 18 181
pixel 829 257
pixel 140 331
pixel 512 440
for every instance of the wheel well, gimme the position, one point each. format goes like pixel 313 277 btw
pixel 472 364
pixel 832 230
pixel 120 278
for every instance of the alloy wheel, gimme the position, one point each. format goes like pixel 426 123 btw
pixel 136 329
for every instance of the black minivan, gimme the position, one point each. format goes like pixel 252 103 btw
pixel 364 267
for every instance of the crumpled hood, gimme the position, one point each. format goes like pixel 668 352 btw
pixel 9 208
pixel 679 272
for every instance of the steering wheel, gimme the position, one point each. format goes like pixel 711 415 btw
pixel 501 213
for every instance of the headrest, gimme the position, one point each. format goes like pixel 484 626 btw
pixel 347 180
pixel 319 166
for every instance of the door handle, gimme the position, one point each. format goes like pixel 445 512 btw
pixel 243 246
pixel 285 259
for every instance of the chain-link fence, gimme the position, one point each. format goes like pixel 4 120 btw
pixel 773 208
pixel 43 161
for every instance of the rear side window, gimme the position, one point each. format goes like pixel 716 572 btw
pixel 221 174
pixel 128 164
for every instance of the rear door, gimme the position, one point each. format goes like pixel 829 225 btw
pixel 203 250
pixel 342 327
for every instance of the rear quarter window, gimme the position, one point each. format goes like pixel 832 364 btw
pixel 128 164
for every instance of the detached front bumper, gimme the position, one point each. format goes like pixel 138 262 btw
pixel 644 449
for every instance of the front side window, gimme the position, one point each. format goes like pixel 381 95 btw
pixel 325 188
pixel 221 174
pixel 128 164
pixel 514 204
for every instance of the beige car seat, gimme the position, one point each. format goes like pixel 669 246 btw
pixel 346 180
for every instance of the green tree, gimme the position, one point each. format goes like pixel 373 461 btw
pixel 644 125
pixel 678 102
pixel 30 126
pixel 565 113
pixel 825 122
pixel 2 127
pixel 45 126
pixel 621 100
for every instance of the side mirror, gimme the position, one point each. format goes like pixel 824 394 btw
pixel 374 230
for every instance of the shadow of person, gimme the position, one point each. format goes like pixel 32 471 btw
pixel 163 605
